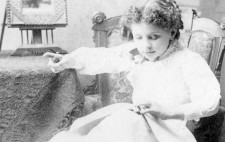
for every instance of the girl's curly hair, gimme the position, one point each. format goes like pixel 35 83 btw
pixel 162 13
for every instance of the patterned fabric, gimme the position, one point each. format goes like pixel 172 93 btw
pixel 120 89
pixel 202 43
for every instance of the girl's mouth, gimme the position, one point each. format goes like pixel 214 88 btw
pixel 150 52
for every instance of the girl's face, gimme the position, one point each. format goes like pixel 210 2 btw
pixel 151 40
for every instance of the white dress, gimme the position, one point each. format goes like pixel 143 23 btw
pixel 182 80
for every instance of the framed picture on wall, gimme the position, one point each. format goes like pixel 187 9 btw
pixel 36 13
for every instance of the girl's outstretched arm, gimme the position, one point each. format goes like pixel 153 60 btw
pixel 93 61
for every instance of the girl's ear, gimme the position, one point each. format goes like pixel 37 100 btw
pixel 173 34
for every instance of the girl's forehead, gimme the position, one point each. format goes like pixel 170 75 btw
pixel 146 28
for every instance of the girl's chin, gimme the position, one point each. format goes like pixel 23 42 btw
pixel 152 59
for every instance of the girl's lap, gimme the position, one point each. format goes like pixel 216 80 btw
pixel 124 126
pixel 118 124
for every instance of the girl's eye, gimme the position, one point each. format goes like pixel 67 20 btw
pixel 153 37
pixel 138 37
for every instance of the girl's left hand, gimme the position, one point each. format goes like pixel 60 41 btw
pixel 156 110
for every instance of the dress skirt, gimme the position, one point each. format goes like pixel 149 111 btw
pixel 117 123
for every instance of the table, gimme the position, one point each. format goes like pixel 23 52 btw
pixel 34 102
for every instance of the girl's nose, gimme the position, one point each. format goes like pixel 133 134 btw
pixel 147 47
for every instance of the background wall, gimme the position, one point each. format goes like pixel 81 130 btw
pixel 80 12
pixel 78 32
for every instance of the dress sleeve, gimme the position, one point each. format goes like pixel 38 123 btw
pixel 204 89
pixel 93 61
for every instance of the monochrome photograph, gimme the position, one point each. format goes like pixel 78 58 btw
pixel 112 71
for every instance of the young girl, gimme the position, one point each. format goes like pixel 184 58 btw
pixel 171 83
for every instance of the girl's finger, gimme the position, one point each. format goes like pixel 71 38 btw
pixel 134 109
pixel 153 113
pixel 49 55
pixel 146 105
pixel 55 59
pixel 143 111
pixel 52 64
pixel 55 67
pixel 137 110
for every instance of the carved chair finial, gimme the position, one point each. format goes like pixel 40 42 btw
pixel 222 24
pixel 98 18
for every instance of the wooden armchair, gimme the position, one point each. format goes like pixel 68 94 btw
pixel 202 38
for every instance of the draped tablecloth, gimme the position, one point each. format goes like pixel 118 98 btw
pixel 34 102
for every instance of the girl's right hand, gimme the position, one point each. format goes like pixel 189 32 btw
pixel 56 62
